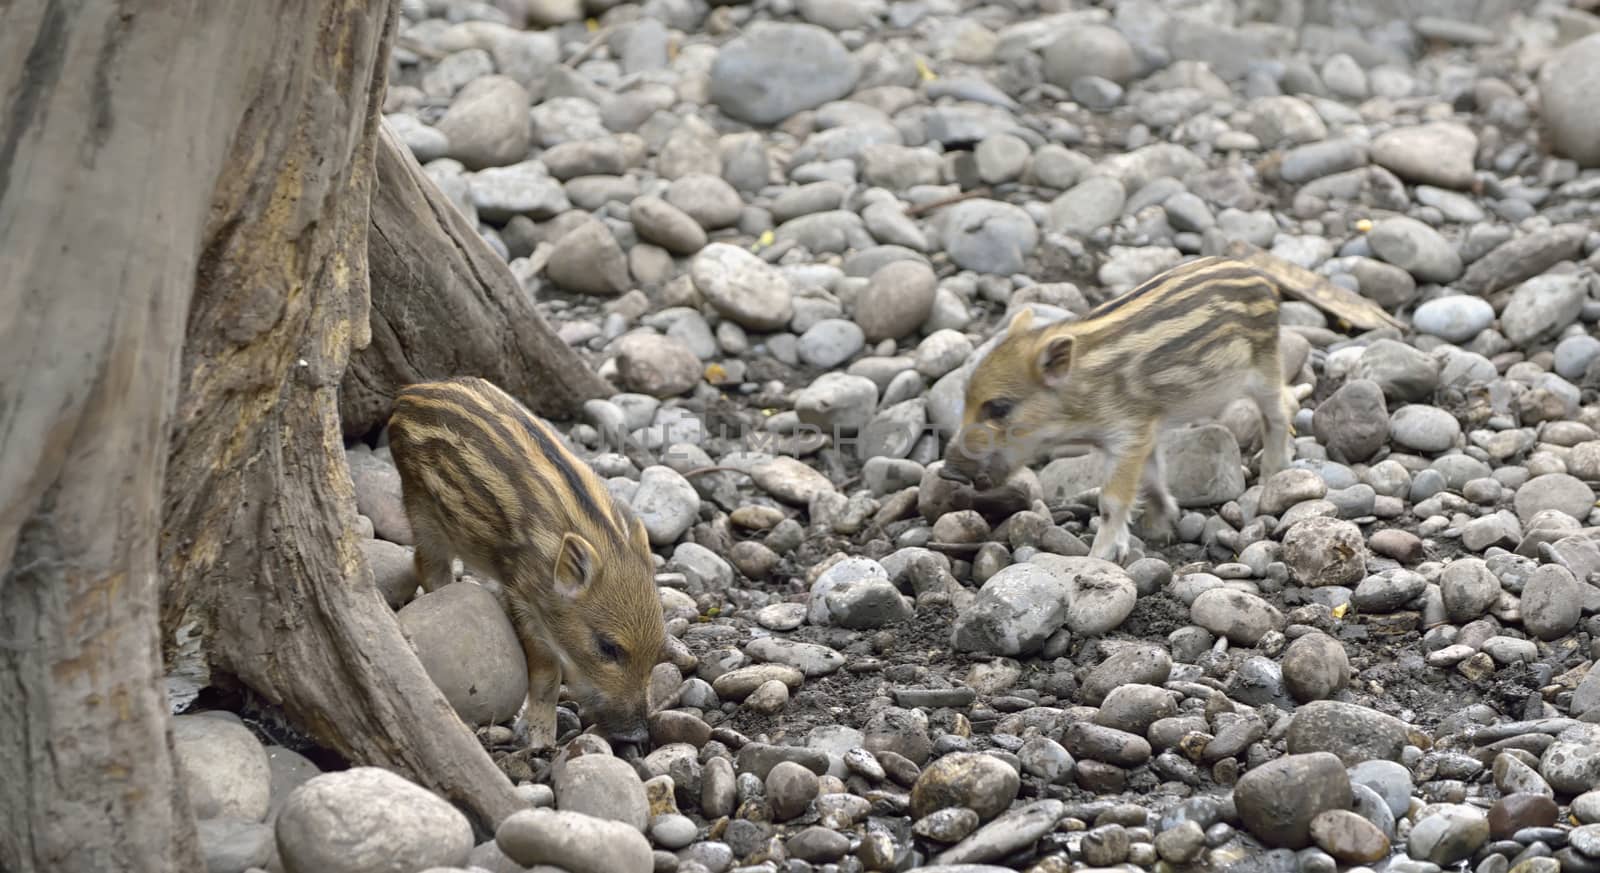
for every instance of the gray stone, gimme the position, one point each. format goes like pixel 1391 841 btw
pixel 982 783
pixel 661 366
pixel 1015 612
pixel 487 123
pixel 603 787
pixel 773 70
pixel 1558 491
pixel 1552 602
pixel 1415 247
pixel 1240 616
pixel 707 199
pixel 743 287
pixel 666 225
pixel 1203 465
pixel 1091 204
pixel 666 503
pixel 1315 667
pixel 1468 588
pixel 1440 153
pixel 1424 428
pixel 866 604
pixel 897 299
pixel 1282 120
pixel 1353 423
pixel 1314 160
pixel 588 260
pixel 573 842
pixel 1325 551
pixel 1099 594
pixel 988 236
pixel 1543 306
pixel 223 767
pixel 1089 50
pixel 1354 733
pixel 837 402
pixel 526 188
pixel 1567 85
pixel 1015 830
pixel 829 342
pixel 1449 836
pixel 367 818
pixel 1455 318
pixel 1403 373
pixel 466 643
pixel 232 846
pixel 1278 800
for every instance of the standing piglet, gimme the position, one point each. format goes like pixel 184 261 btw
pixel 485 480
pixel 1177 348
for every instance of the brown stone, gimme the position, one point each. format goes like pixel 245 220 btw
pixel 1514 812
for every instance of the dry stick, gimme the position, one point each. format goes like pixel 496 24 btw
pixel 702 470
pixel 600 36
pixel 956 548
pixel 931 205
pixel 418 49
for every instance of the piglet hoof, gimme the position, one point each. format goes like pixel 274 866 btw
pixel 531 737
pixel 1110 549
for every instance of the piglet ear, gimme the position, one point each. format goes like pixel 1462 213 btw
pixel 575 564
pixel 1055 360
pixel 1021 321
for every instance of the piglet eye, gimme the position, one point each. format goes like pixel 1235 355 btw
pixel 997 409
pixel 608 647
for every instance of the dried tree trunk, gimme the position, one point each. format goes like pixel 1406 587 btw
pixel 444 304
pixel 260 554
pixel 114 125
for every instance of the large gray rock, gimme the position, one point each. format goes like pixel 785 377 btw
pixel 1353 732
pixel 988 236
pixel 897 299
pixel 774 70
pixel 1567 87
pixel 658 365
pixel 231 846
pixel 743 287
pixel 1325 551
pixel 1353 423
pixel 666 503
pixel 466 643
pixel 369 819
pixel 837 403
pixel 1415 247
pixel 604 787
pixel 1204 467
pixel 1099 594
pixel 574 842
pixel 223 766
pixel 290 770
pixel 1277 800
pixel 1542 306
pixel 1014 613
pixel 1439 154
pixel 1552 602
pixel 1091 50
pixel 487 124
pixel 588 260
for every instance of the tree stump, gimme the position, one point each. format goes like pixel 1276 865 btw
pixel 185 192
pixel 259 552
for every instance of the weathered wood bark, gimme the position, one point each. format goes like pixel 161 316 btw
pixel 444 304
pixel 113 128
pixel 259 550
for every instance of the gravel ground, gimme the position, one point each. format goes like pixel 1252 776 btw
pixel 787 229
